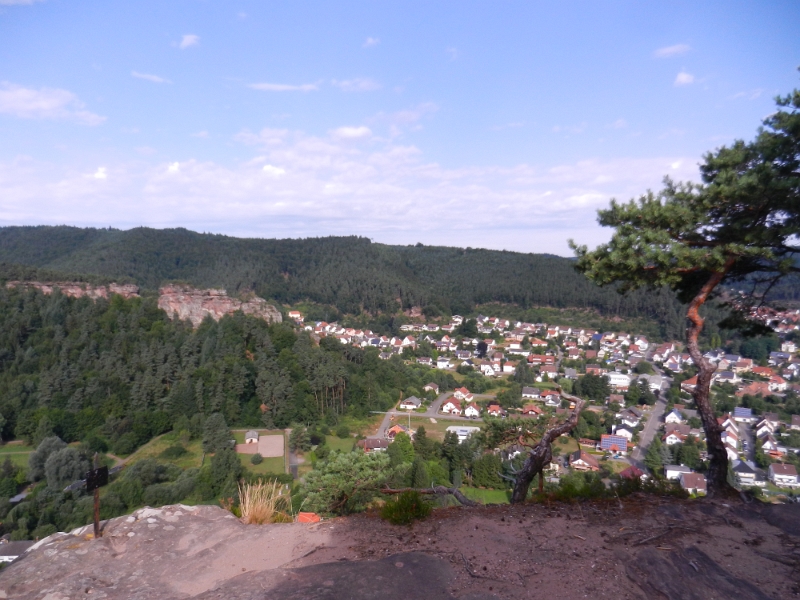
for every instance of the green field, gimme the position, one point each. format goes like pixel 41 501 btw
pixel 273 465
pixel 569 447
pixel 486 496
pixel 8 448
pixel 156 446
pixel 336 443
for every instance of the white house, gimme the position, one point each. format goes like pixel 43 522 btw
pixel 693 483
pixel 783 475
pixel 411 403
pixel 531 393
pixel 451 406
pixel 674 417
pixel 618 380
pixel 472 411
pixel 463 393
pixel 624 432
pixel 251 437
pixel 443 363
pixel 674 472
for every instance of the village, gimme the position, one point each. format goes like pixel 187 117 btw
pixel 650 425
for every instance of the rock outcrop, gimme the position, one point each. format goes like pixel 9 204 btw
pixel 76 289
pixel 194 304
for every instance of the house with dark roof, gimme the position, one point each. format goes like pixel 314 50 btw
pixel 580 460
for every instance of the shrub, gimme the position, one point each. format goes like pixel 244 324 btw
pixel 405 508
pixel 173 452
pixel 256 459
pixel 343 432
pixel 264 502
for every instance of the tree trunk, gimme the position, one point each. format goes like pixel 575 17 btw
pixel 541 454
pixel 717 477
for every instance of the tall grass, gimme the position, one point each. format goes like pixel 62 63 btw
pixel 264 502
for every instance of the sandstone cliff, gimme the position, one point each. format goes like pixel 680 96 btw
pixel 78 290
pixel 640 547
pixel 196 305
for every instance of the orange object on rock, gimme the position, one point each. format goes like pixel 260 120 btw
pixel 308 517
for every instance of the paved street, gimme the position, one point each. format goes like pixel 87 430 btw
pixel 650 428
pixel 432 412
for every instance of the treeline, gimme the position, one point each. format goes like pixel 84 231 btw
pixel 350 274
pixel 114 373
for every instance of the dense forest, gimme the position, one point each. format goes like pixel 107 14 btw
pixel 118 372
pixel 351 274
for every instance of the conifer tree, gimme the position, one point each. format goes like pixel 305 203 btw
pixel 739 225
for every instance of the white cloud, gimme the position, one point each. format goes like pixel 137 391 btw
pixel 188 40
pixel 299 185
pixel 284 87
pixel 200 134
pixel 44 103
pixel 619 124
pixel 273 171
pixel 514 125
pixel 370 42
pixel 452 53
pixel 570 129
pixel 684 78
pixel 100 173
pixel 17 2
pixel 148 77
pixel 350 133
pixel 358 84
pixel 669 51
pixel 174 167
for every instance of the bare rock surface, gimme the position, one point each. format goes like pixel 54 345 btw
pixel 643 547
pixel 79 290
pixel 195 304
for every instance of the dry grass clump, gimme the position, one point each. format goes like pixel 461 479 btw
pixel 264 502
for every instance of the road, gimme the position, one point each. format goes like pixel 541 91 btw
pixel 650 428
pixel 432 412
pixel 653 422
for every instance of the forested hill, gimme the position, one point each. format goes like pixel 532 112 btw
pixel 350 273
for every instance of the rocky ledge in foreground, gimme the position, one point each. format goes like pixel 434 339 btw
pixel 644 547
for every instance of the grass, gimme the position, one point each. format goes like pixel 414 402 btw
pixel 485 496
pixel 570 446
pixel 8 448
pixel 274 464
pixel 615 466
pixel 20 460
pixel 152 449
pixel 263 502
pixel 336 443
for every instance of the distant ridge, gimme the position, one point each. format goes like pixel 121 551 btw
pixel 351 273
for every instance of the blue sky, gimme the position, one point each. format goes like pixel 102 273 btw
pixel 486 124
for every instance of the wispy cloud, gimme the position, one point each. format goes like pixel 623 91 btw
pixel 669 51
pixel 570 129
pixel 200 134
pixel 351 132
pixel 44 103
pixel 452 53
pixel 284 87
pixel 101 173
pixel 149 77
pixel 684 78
pixel 17 2
pixel 370 42
pixel 514 125
pixel 188 40
pixel 749 95
pixel 618 124
pixel 359 84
